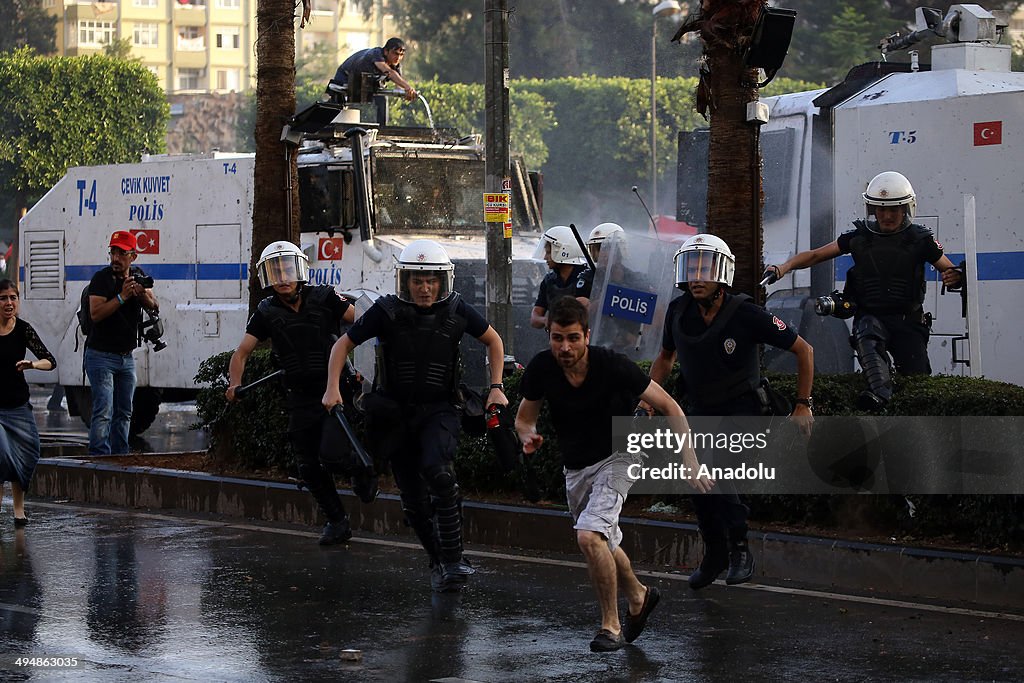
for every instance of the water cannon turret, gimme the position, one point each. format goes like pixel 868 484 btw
pixel 966 23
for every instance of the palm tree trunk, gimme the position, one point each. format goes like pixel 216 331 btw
pixel 275 185
pixel 735 197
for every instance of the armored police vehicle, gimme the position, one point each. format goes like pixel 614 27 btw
pixel 954 129
pixel 192 217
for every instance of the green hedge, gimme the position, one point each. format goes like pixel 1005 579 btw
pixel 252 434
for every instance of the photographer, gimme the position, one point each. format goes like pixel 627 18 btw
pixel 885 288
pixel 117 296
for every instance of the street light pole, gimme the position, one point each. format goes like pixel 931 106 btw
pixel 662 9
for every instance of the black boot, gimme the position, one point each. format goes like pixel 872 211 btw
pixel 714 562
pixel 741 560
pixel 336 532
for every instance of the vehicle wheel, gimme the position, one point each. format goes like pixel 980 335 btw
pixel 145 406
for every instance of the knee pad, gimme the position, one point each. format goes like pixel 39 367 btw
pixel 442 483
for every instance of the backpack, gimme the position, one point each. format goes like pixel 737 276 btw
pixel 84 317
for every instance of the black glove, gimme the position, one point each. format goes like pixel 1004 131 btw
pixel 770 275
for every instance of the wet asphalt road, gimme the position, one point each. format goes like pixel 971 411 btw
pixel 159 598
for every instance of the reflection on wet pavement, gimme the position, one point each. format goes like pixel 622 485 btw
pixel 146 597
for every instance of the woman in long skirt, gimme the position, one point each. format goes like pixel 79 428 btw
pixel 19 439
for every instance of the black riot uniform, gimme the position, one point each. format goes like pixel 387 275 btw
pixel 302 344
pixel 719 374
pixel 552 287
pixel 887 283
pixel 412 418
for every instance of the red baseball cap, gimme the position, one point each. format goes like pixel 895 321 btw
pixel 122 239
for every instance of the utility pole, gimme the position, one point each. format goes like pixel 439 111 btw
pixel 497 169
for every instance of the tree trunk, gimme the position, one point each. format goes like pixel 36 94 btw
pixel 275 213
pixel 735 198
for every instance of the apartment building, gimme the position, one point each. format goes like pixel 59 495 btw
pixel 204 46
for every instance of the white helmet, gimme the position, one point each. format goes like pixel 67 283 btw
pixel 564 247
pixel 282 262
pixel 706 258
pixel 599 234
pixel 425 257
pixel 891 189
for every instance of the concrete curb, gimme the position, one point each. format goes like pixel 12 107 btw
pixel 904 573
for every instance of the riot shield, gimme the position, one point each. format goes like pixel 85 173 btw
pixel 364 356
pixel 633 285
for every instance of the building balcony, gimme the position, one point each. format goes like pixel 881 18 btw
pixel 184 59
pixel 190 15
pixel 94 11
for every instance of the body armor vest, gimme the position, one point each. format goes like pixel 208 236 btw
pixel 303 340
pixel 706 377
pixel 418 362
pixel 889 269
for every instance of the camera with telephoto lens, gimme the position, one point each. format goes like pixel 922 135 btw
pixel 835 305
pixel 152 330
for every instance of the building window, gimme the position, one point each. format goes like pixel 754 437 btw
pixel 228 79
pixel 228 38
pixel 144 3
pixel 191 38
pixel 229 4
pixel 146 35
pixel 188 79
pixel 95 33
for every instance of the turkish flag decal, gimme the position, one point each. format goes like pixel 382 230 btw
pixel 988 133
pixel 330 248
pixel 148 241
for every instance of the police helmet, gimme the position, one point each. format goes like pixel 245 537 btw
pixel 282 262
pixel 564 247
pixel 706 258
pixel 424 257
pixel 890 189
pixel 602 233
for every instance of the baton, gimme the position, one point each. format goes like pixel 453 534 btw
pixel 364 457
pixel 241 391
pixel 579 241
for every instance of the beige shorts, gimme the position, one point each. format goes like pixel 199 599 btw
pixel 596 494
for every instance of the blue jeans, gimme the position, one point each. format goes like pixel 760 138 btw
pixel 112 377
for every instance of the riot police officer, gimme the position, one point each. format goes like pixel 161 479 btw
pixel 302 323
pixel 886 283
pixel 715 336
pixel 603 232
pixel 569 276
pixel 411 413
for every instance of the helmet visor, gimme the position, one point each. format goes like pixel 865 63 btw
pixel 282 268
pixel 703 265
pixel 423 287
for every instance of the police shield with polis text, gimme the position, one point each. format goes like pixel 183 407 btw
pixel 633 286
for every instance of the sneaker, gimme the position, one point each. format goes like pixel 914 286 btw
pixel 336 532
pixel 606 641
